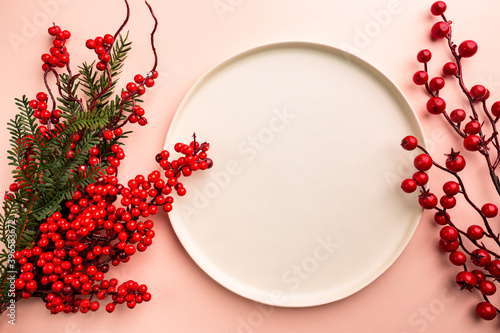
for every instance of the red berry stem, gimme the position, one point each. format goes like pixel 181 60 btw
pixel 127 16
pixel 47 86
pixel 429 91
pixel 114 124
pixel 95 99
pixel 152 38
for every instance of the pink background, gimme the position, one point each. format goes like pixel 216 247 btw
pixel 415 295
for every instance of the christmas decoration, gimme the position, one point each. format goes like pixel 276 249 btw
pixel 471 245
pixel 66 218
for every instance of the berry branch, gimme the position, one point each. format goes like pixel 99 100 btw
pixel 67 219
pixel 477 244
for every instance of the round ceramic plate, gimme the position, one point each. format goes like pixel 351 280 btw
pixel 303 205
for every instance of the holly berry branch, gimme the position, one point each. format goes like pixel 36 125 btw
pixel 67 218
pixel 476 247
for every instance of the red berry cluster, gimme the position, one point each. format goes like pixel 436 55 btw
pixel 194 159
pixel 104 223
pixel 135 89
pixel 41 112
pixel 475 244
pixel 58 55
pixel 101 47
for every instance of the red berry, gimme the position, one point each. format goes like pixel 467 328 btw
pixel 458 115
pixel 438 8
pixel 467 48
pixel 486 311
pixel 107 135
pixel 475 232
pixel 57 43
pixel 448 234
pixel 129 250
pixel 154 74
pixel 141 90
pixel 105 57
pixel 19 284
pixel 42 97
pixel 455 163
pixel 473 127
pixel 110 307
pixel 478 91
pixel 447 202
pixel 131 87
pixel 489 210
pixel 409 185
pixel 427 200
pixel 494 268
pixel 42 106
pixel 139 79
pixel 33 104
pixel 61 35
pixel 139 111
pixel 421 178
pixel 448 247
pixel 93 161
pixel 63 58
pixel 457 258
pixel 125 95
pixel 441 218
pixel 149 82
pixel 472 142
pixel 99 40
pixel 100 66
pixel 108 39
pixel 46 114
pixel 486 287
pixel 56 113
pixel 436 83
pixel 409 142
pixel 422 162
pixel 480 258
pixel 424 56
pixel 186 171
pixel 466 280
pixel 436 105
pixel 450 68
pixel 53 30
pixel 440 30
pixel 99 49
pixel 420 78
pixel 451 188
pixel 495 109
pixel 480 276
pixel 45 57
pixel 31 286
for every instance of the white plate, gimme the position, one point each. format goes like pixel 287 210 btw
pixel 303 205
